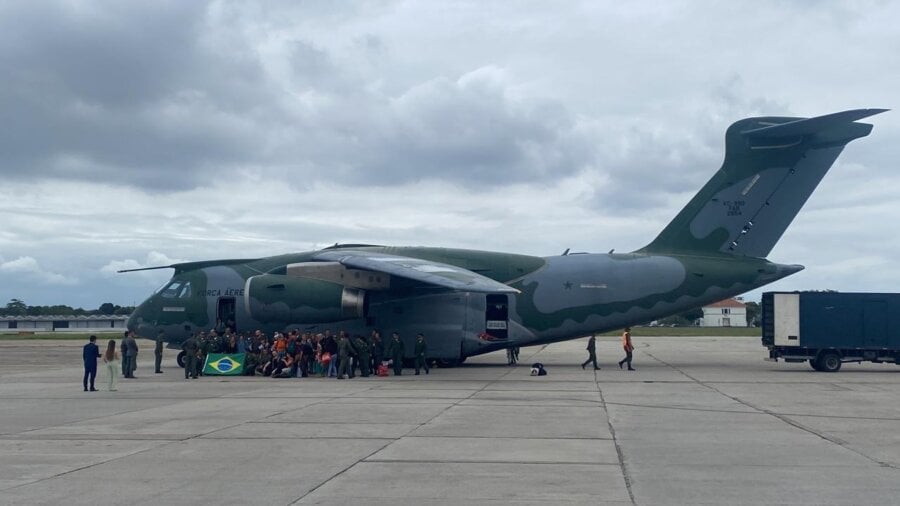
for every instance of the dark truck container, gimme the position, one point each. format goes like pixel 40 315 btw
pixel 829 328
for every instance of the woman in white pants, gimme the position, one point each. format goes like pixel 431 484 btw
pixel 111 359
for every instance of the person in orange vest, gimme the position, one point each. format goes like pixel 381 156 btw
pixel 626 344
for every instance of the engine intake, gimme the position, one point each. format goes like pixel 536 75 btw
pixel 287 299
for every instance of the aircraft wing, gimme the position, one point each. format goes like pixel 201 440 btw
pixel 417 269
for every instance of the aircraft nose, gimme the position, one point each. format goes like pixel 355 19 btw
pixel 132 324
pixel 135 321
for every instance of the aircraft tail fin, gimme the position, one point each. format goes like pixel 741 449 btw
pixel 772 165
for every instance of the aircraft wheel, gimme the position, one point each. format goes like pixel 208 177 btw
pixel 180 359
pixel 830 362
pixel 448 362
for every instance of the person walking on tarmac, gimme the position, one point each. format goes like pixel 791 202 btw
pixel 421 348
pixel 397 352
pixel 626 344
pixel 157 351
pixel 191 348
pixel 592 353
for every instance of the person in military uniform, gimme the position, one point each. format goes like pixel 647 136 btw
pixel 122 349
pixel 592 353
pixel 214 343
pixel 202 351
pixel 131 351
pixel 377 349
pixel 397 352
pixel 251 360
pixel 158 351
pixel 362 351
pixel 421 348
pixel 190 348
pixel 511 356
pixel 345 350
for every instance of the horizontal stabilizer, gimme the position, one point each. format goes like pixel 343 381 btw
pixel 416 269
pixel 809 126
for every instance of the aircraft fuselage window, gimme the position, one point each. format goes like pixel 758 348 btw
pixel 177 290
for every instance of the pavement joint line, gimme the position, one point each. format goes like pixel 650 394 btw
pixel 756 411
pixel 303 422
pixel 390 442
pixel 406 436
pixel 620 454
pixel 783 418
pixel 127 412
pixel 70 471
pixel 301 438
pixel 503 462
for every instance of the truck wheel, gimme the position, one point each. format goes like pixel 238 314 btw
pixel 180 359
pixel 830 362
pixel 814 363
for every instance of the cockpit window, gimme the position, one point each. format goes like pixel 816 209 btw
pixel 177 290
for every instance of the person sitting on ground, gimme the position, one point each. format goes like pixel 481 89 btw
pixel 281 367
pixel 265 359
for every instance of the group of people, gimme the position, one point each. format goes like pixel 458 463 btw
pixel 291 354
pixel 296 354
pixel 626 345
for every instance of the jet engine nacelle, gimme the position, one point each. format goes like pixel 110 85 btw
pixel 287 299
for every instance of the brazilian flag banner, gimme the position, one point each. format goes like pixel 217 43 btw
pixel 224 364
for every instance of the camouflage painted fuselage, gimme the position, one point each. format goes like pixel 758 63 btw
pixel 561 297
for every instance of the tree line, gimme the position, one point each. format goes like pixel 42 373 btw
pixel 18 307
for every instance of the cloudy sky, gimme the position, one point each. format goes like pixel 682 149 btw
pixel 144 133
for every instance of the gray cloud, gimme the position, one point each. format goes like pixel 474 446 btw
pixel 154 97
pixel 233 129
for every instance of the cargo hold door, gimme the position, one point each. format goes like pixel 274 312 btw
pixel 496 316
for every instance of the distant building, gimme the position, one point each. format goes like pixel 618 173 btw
pixel 59 323
pixel 725 313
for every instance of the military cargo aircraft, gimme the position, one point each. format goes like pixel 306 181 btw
pixel 473 302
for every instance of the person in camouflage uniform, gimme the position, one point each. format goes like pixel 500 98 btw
pixel 158 351
pixel 397 352
pixel 345 351
pixel 421 348
pixel 190 347
pixel 202 351
pixel 377 349
pixel 362 351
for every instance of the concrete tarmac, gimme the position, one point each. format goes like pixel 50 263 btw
pixel 701 421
